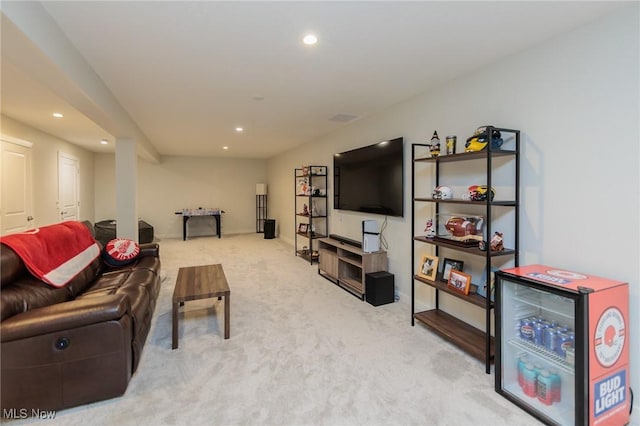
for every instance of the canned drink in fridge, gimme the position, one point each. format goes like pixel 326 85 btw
pixel 556 386
pixel 537 368
pixel 562 343
pixel 544 385
pixel 522 362
pixel 570 356
pixel 529 380
pixel 526 329
pixel 572 337
pixel 568 343
pixel 550 335
pixel 538 333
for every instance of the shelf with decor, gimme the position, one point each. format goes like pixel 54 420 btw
pixel 470 236
pixel 311 209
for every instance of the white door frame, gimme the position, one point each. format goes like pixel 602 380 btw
pixel 29 184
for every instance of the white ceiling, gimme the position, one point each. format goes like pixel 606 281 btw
pixel 188 73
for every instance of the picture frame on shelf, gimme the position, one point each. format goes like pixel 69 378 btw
pixel 428 267
pixel 448 265
pixel 459 281
pixel 303 228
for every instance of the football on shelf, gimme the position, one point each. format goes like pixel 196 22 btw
pixel 460 227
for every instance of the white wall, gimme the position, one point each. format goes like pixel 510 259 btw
pixel 186 182
pixel 576 101
pixel 45 171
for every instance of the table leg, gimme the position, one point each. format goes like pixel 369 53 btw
pixel 184 227
pixel 227 315
pixel 218 217
pixel 174 344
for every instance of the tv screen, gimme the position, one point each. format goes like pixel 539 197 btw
pixel 370 179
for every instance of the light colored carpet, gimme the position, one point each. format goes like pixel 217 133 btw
pixel 302 352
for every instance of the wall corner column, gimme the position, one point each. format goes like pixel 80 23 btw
pixel 126 189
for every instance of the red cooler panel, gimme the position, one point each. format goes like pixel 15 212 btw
pixel 609 357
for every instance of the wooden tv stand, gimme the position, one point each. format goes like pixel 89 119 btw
pixel 347 265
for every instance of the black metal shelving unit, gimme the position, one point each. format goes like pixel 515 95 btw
pixel 261 212
pixel 310 191
pixel 478 343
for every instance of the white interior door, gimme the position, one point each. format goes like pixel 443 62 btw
pixel 68 187
pixel 16 202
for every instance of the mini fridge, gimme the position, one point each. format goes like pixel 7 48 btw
pixel 562 349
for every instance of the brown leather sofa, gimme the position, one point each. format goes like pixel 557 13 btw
pixel 63 347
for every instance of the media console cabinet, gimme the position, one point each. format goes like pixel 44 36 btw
pixel 347 265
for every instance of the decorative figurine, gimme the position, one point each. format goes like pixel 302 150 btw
pixel 430 229
pixel 435 144
pixel 303 186
pixel 496 243
pixel 305 210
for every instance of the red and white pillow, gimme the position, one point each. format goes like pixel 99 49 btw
pixel 120 252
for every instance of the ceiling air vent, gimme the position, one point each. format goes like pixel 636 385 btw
pixel 343 118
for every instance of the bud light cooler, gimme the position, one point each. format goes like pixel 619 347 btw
pixel 562 345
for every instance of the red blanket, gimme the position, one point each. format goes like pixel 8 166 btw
pixel 55 253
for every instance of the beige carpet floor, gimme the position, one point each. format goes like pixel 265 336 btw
pixel 302 352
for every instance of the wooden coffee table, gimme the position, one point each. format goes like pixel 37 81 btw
pixel 200 282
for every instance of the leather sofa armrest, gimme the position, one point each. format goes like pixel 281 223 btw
pixel 149 249
pixel 64 316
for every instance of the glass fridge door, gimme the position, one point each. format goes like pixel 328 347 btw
pixel 537 350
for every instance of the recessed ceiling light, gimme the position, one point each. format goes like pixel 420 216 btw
pixel 57 115
pixel 225 147
pixel 310 39
pixel 104 142
pixel 239 129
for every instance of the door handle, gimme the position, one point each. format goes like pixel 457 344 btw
pixel 29 218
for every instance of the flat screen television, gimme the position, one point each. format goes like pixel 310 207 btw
pixel 370 179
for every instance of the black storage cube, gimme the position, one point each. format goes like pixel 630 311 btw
pixel 145 232
pixel 269 229
pixel 106 231
pixel 379 288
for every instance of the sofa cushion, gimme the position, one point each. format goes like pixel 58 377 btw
pixel 12 266
pixel 120 252
pixel 30 293
pixel 85 278
pixel 139 285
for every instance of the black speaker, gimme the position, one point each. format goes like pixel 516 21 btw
pixel 269 229
pixel 379 288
